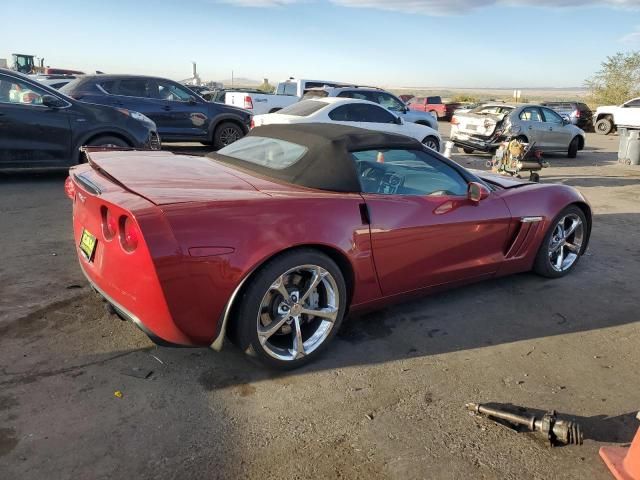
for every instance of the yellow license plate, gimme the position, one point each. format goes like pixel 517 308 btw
pixel 88 244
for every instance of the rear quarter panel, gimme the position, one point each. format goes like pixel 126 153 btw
pixel 222 243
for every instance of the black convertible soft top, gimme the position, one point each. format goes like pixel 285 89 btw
pixel 327 164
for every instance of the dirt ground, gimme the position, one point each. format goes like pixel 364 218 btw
pixel 386 401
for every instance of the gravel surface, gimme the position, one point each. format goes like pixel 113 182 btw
pixel 387 399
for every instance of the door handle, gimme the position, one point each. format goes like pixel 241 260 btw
pixel 166 108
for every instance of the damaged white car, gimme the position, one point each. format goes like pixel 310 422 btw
pixel 485 127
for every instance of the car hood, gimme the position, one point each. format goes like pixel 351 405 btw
pixel 500 180
pixel 164 178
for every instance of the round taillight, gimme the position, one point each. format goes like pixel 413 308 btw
pixel 109 224
pixel 70 188
pixel 129 234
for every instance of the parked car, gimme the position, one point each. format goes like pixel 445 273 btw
pixel 273 239
pixel 435 105
pixel 354 113
pixel 180 114
pixel 578 113
pixel 41 127
pixel 379 96
pixel 487 126
pixel 608 118
pixel 287 93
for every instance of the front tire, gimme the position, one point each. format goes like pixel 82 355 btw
pixel 107 141
pixel 291 309
pixel 225 134
pixel 563 244
pixel 573 148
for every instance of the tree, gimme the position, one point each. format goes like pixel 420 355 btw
pixel 266 86
pixel 617 81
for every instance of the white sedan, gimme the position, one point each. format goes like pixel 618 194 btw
pixel 351 112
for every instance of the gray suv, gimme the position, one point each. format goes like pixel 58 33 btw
pixel 379 96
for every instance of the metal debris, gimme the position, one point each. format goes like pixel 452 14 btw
pixel 556 431
pixel 138 372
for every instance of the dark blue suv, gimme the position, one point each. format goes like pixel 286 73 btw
pixel 179 113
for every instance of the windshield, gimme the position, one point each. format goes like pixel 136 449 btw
pixel 272 153
pixel 303 108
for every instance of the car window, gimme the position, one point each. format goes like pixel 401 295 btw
pixel 13 90
pixel 550 116
pixel 172 92
pixel 434 100
pixel 389 102
pixel 287 88
pixel 357 95
pixel 302 109
pixel 530 115
pixel 633 103
pixel 109 86
pixel 490 109
pixel 407 172
pixel 361 112
pixel 267 152
pixel 135 87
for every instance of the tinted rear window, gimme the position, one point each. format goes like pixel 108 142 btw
pixel 272 153
pixel 303 108
pixel 434 100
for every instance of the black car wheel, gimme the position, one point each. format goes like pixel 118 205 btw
pixel 107 141
pixel 290 310
pixel 226 133
pixel 573 148
pixel 563 245
pixel 604 126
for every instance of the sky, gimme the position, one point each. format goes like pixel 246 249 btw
pixel 393 43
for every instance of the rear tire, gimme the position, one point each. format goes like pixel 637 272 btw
pixel 604 126
pixel 548 263
pixel 263 305
pixel 225 134
pixel 573 148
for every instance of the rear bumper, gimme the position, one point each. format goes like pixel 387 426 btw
pixel 476 143
pixel 127 315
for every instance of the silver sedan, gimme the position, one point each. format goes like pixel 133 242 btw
pixel 485 127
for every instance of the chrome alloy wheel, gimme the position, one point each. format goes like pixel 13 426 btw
pixel 298 312
pixel 229 135
pixel 566 241
pixel 431 143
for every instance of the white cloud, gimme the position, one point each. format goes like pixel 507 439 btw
pixel 447 7
pixel 633 37
pixel 444 7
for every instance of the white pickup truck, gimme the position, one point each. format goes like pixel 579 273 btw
pixel 287 93
pixel 607 119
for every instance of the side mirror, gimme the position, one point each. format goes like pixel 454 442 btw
pixel 192 100
pixel 477 192
pixel 399 121
pixel 52 102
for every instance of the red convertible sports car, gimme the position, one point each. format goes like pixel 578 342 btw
pixel 271 240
